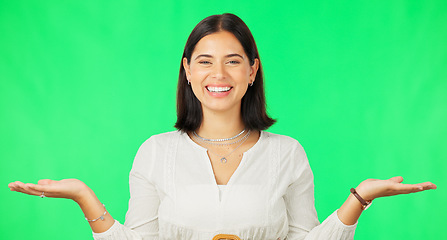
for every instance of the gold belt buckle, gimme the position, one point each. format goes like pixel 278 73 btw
pixel 226 237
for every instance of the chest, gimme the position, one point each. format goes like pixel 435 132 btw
pixel 224 165
pixel 226 158
pixel 248 199
pixel 252 195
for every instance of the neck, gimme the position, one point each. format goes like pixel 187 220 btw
pixel 220 124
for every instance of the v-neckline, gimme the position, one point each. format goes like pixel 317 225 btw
pixel 210 167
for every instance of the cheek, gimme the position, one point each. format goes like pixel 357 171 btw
pixel 197 90
pixel 199 73
pixel 242 75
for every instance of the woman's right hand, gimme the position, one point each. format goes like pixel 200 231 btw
pixel 71 189
pixel 67 188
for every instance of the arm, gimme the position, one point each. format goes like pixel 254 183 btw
pixel 107 229
pixel 302 216
pixel 341 224
pixel 142 216
pixel 299 199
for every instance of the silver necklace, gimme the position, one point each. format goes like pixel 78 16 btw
pixel 223 158
pixel 221 143
pixel 218 139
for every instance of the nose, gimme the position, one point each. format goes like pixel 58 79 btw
pixel 219 71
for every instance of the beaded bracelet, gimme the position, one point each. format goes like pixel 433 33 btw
pixel 101 217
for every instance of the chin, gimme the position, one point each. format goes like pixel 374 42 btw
pixel 222 108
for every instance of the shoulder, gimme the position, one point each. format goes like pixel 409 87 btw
pixel 160 140
pixel 284 142
pixel 152 152
pixel 288 149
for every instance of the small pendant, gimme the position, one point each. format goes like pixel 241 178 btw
pixel 223 160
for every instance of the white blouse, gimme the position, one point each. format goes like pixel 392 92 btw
pixel 270 196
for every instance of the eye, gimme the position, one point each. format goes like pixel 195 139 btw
pixel 204 62
pixel 234 62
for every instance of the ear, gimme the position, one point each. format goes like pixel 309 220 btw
pixel 187 69
pixel 254 70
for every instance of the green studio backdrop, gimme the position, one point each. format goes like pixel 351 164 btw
pixel 361 84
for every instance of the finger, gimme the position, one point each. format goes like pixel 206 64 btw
pixel 427 185
pixel 32 191
pixel 15 184
pixel 410 188
pixel 23 189
pixel 397 179
pixel 40 188
pixel 400 188
pixel 18 185
pixel 26 188
pixel 12 184
pixel 12 187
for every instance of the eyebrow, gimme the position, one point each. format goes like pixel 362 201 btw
pixel 227 56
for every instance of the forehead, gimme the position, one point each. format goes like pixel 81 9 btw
pixel 219 43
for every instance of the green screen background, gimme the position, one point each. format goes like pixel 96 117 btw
pixel 361 84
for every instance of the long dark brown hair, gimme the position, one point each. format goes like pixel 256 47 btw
pixel 253 106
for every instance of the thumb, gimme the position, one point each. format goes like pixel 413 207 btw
pixel 45 181
pixel 397 179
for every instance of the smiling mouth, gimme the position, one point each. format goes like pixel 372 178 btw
pixel 219 89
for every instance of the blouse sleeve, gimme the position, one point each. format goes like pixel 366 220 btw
pixel 301 213
pixel 142 216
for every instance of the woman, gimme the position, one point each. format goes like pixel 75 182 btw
pixel 221 173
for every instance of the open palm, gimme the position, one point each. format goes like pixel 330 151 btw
pixel 375 188
pixel 66 188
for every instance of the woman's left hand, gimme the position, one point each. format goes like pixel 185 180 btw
pixel 371 189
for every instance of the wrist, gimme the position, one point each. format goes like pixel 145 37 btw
pixel 364 203
pixel 84 196
pixel 364 193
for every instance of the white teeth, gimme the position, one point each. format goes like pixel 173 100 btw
pixel 218 89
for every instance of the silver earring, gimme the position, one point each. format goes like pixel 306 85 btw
pixel 189 83
pixel 251 84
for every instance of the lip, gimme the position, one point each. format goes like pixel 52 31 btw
pixel 218 85
pixel 218 94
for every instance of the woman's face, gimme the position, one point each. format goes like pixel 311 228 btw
pixel 220 72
